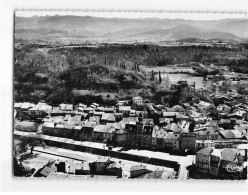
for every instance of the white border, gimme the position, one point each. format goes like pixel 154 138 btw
pixel 7 16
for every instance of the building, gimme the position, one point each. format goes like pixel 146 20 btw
pixel 99 166
pixel 125 110
pixel 187 141
pixel 183 90
pixel 204 94
pixel 27 126
pixel 100 133
pixel 215 162
pixel 121 137
pixel 203 160
pixel 229 157
pixel 40 110
pixel 204 144
pixel 134 171
pixel 138 101
pixel 171 141
pixel 115 169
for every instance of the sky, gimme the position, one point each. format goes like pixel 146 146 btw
pixel 113 14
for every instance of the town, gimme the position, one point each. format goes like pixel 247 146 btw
pixel 204 136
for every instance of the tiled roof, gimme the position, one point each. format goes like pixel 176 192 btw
pixel 229 154
pixel 205 151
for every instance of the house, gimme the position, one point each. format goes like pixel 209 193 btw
pixel 138 101
pixel 237 134
pixel 204 144
pixel 110 129
pixel 226 134
pixel 134 171
pixel 144 133
pixel 40 110
pixel 109 110
pixel 171 141
pixel 59 130
pixel 107 118
pixel 100 133
pixel 229 157
pixel 118 117
pixel 179 109
pixel 187 141
pixel 160 138
pixel 203 157
pixel 125 110
pixel 224 108
pixel 143 113
pixel 87 131
pixel 184 125
pixel 215 160
pixel 121 137
pixel 100 165
pixel 173 127
pixel 48 128
pixel 27 126
pixel 82 168
pixel 48 170
pixel 170 115
pixel 80 107
pixel 204 93
pixel 115 169
pixel 26 105
pixel 17 109
pixel 60 166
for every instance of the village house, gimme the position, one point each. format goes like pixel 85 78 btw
pixel 100 133
pixel 118 117
pixel 111 128
pixel 229 157
pixel 158 138
pixel 27 126
pixel 204 94
pixel 187 141
pixel 137 101
pixel 183 89
pixel 40 110
pixel 215 162
pixel 204 144
pixel 125 110
pixel 107 118
pixel 134 171
pixel 100 165
pixel 121 137
pixel 48 128
pixel 171 141
pixel 115 169
pixel 48 170
pixel 203 160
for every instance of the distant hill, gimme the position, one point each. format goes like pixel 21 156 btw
pixel 94 28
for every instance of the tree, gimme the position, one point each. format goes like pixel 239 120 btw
pixel 160 79
pixel 32 142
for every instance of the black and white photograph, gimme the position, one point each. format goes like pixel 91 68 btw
pixel 127 97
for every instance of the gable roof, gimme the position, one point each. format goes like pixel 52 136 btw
pixel 226 134
pixel 205 151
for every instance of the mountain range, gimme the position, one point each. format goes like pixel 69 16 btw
pixel 122 29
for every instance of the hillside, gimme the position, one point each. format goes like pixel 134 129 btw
pixel 86 28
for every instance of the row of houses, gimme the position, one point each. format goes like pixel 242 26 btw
pixel 102 166
pixel 220 162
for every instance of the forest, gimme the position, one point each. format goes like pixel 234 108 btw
pixel 80 74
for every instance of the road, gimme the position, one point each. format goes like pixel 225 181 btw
pixel 184 161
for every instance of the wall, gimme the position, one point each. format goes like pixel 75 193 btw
pixel 114 154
